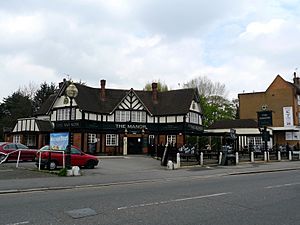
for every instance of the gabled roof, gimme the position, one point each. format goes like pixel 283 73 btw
pixel 89 99
pixel 238 123
pixel 46 105
pixel 44 125
pixel 175 102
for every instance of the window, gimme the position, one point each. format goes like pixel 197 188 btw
pixel 151 139
pixel 20 146
pixel 255 142
pixel 194 117
pixel 10 146
pixel 298 99
pixel 122 116
pixel 30 140
pixel 111 140
pixel 75 151
pixel 133 116
pixel 17 139
pixel 171 139
pixel 92 138
pixel 138 116
pixel 64 114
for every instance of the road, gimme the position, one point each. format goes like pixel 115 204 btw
pixel 260 198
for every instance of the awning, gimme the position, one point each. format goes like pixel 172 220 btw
pixel 292 128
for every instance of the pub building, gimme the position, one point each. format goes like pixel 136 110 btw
pixel 114 121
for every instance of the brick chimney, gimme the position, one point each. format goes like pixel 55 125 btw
pixel 154 93
pixel 102 90
pixel 296 80
pixel 62 83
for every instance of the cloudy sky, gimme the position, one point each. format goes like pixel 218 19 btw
pixel 243 44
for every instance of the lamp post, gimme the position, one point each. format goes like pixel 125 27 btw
pixel 71 92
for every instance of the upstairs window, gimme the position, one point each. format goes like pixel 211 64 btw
pixel 194 118
pixel 122 116
pixel 64 114
pixel 133 116
pixel 138 116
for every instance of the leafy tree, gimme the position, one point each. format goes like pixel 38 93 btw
pixel 42 94
pixel 14 107
pixel 213 100
pixel 161 86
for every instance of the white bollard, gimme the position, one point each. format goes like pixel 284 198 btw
pixel 76 171
pixel 170 165
pixel 18 160
pixel 220 158
pixel 201 158
pixel 268 156
pixel 290 156
pixel 279 156
pixel 252 157
pixel 178 160
pixel 265 156
pixel 236 158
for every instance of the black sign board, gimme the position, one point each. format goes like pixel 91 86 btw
pixel 264 118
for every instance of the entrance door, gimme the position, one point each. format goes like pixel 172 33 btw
pixel 134 145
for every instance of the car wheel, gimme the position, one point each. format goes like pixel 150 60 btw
pixel 90 165
pixel 53 165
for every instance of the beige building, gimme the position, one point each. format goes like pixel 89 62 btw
pixel 283 99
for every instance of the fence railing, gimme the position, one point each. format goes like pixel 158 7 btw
pixel 4 156
pixel 59 151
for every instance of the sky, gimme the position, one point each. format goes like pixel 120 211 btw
pixel 243 44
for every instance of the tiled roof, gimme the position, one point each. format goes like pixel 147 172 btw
pixel 44 125
pixel 175 102
pixel 45 107
pixel 239 123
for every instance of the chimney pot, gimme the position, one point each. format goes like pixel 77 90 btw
pixel 102 90
pixel 154 92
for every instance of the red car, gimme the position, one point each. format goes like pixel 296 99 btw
pixel 78 158
pixel 27 154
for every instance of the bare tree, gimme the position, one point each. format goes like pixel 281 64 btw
pixel 29 90
pixel 206 87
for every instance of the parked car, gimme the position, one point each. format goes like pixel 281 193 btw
pixel 55 158
pixel 27 154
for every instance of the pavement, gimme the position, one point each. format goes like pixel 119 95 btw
pixel 123 170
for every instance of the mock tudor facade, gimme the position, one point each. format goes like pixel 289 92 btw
pixel 115 121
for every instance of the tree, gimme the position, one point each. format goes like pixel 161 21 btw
pixel 14 107
pixel 215 105
pixel 42 94
pixel 29 90
pixel 206 87
pixel 161 86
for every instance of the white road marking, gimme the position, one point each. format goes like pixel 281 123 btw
pixel 19 223
pixel 7 170
pixel 173 200
pixel 282 185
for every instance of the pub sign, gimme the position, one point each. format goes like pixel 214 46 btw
pixel 264 118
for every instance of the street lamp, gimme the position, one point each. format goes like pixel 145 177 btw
pixel 71 92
